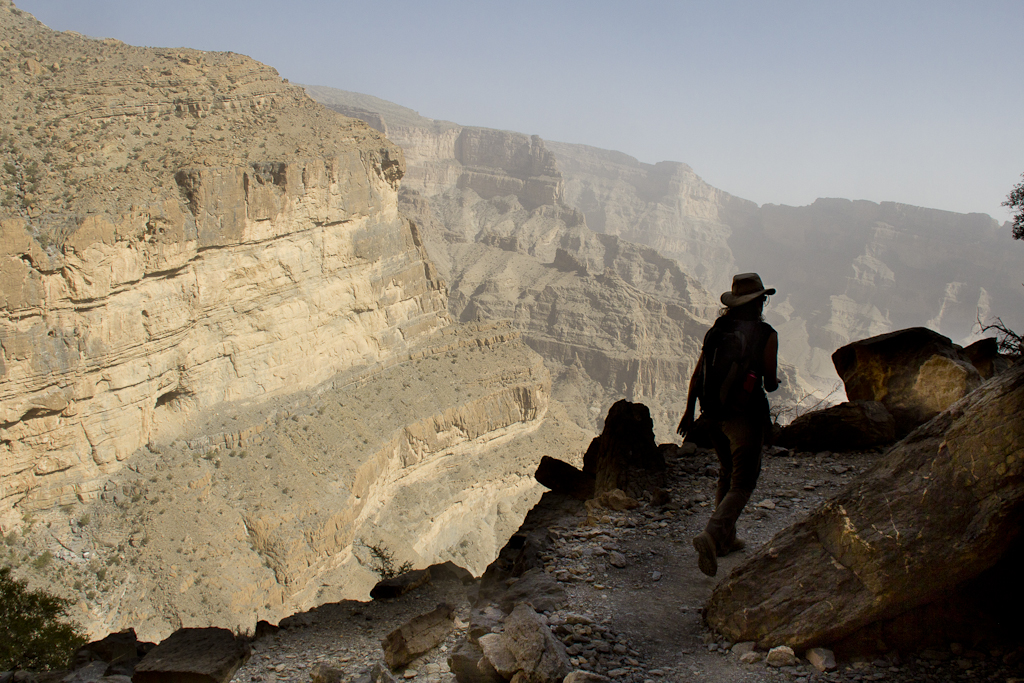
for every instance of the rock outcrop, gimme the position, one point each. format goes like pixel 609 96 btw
pixel 933 525
pixel 914 373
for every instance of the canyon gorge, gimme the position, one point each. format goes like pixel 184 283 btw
pixel 247 334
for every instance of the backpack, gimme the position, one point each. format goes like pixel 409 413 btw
pixel 729 374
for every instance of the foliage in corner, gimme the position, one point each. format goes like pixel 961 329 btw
pixel 384 561
pixel 1015 202
pixel 32 634
pixel 1010 343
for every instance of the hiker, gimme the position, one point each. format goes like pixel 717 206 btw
pixel 738 362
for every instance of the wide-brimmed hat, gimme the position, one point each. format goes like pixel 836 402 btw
pixel 745 287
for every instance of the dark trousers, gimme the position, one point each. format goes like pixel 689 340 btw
pixel 738 442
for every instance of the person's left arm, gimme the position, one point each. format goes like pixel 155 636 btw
pixel 771 362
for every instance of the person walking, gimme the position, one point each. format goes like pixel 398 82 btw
pixel 737 364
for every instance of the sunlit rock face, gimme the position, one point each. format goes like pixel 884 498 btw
pixel 227 364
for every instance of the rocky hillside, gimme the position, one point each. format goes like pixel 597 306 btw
pixel 844 270
pixel 223 345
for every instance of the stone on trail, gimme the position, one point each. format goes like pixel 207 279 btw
pixel 821 658
pixel 616 499
pixel 782 655
pixel 196 655
pixel 538 588
pixel 617 559
pixel 949 495
pixel 325 673
pixel 579 676
pixel 915 373
pixel 740 649
pixel 751 657
pixel 417 636
pixel 464 663
pixel 496 651
pixel 528 645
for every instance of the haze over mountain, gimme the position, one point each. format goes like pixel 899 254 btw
pixel 844 269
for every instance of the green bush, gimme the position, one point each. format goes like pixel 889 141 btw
pixel 32 634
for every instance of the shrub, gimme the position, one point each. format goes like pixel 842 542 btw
pixel 32 634
pixel 384 562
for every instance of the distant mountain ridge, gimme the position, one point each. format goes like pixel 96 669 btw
pixel 844 269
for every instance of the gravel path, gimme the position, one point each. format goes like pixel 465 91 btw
pixel 635 596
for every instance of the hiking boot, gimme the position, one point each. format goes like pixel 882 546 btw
pixel 707 558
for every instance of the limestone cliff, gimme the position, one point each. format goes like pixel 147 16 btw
pixel 844 270
pixel 224 346
pixel 612 318
pixel 210 278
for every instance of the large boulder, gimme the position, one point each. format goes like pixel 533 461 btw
pixel 625 455
pixel 985 357
pixel 915 373
pixel 418 635
pixel 196 655
pixel 850 426
pixel 939 509
pixel 527 649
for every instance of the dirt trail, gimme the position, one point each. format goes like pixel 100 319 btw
pixel 649 608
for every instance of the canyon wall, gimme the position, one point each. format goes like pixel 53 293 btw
pixel 844 270
pixel 612 318
pixel 227 367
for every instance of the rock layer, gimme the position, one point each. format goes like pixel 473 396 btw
pixel 227 365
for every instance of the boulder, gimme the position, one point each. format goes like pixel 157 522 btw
pixel 536 587
pixel 526 649
pixel 399 585
pixel 464 663
pixel 915 373
pixel 561 477
pixel 196 655
pixel 940 508
pixel 985 357
pixel 624 456
pixel 850 426
pixel 418 635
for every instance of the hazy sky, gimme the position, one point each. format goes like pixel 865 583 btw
pixel 778 102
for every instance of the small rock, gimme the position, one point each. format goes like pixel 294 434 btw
pixel 740 649
pixel 617 559
pixel 821 658
pixel 780 656
pixel 580 676
pixel 766 504
pixel 752 658
pixel 322 673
